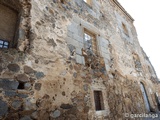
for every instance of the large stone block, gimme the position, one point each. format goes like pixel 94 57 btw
pixel 107 67
pixel 103 42
pixel 55 114
pixel 78 38
pixel 39 75
pixel 3 108
pixel 22 34
pixel 10 93
pixel 78 51
pixel 21 95
pixel 80 45
pixel 80 59
pixel 73 27
pixel 70 34
pixel 79 3
pixel 22 78
pixel 27 85
pixel 105 55
pixel 13 67
pixel 81 31
pixel 8 84
pixel 16 104
pixel 72 41
pixel 90 27
pixel 71 48
pixel 106 61
pixel 104 49
pixel 28 70
pixel 83 60
pixel 29 105
pixel 38 86
pixel 94 14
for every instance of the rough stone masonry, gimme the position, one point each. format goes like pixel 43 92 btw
pixel 72 60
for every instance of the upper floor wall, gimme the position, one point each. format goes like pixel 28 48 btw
pixel 107 20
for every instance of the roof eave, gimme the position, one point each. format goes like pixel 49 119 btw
pixel 122 9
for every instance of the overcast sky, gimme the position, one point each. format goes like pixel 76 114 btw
pixel 147 22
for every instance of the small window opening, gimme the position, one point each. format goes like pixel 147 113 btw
pixel 98 98
pixel 90 41
pixel 125 30
pixel 114 75
pixel 137 62
pixel 62 1
pixel 21 85
pixel 149 69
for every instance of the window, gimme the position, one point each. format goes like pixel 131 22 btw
pixel 149 68
pixel 88 2
pixel 98 98
pixel 21 85
pixel 4 44
pixel 90 41
pixel 137 62
pixel 62 1
pixel 125 29
pixel 8 21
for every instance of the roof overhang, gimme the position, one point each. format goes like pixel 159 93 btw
pixel 116 3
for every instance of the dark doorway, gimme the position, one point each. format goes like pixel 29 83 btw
pixel 98 98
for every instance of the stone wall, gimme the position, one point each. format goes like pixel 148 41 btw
pixel 51 76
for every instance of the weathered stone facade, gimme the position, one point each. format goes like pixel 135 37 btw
pixel 47 74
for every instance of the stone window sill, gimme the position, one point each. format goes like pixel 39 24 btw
pixel 101 112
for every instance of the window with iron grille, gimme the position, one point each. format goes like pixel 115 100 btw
pixel 4 44
pixel 90 41
pixel 98 98
pixel 8 26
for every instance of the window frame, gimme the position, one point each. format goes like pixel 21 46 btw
pixel 94 47
pixel 101 106
pixel 106 110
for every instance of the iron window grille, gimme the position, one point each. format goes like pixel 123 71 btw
pixel 4 44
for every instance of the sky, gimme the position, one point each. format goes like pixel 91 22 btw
pixel 146 14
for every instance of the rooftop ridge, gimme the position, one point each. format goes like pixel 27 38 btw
pixel 122 9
